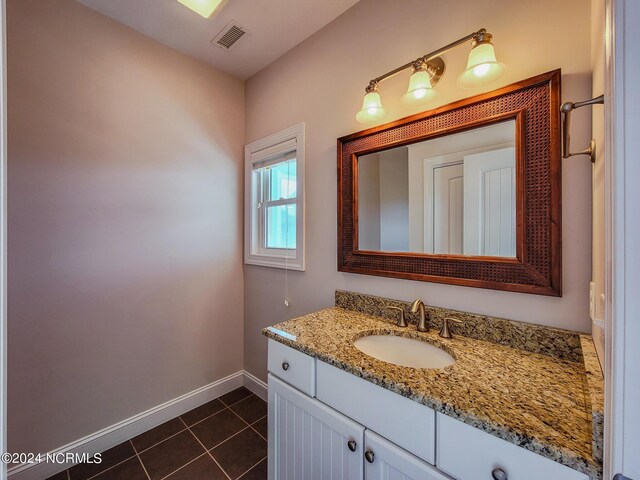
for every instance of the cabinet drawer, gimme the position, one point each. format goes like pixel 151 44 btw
pixel 403 421
pixel 467 453
pixel 292 366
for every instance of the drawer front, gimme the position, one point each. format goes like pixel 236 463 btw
pixel 292 366
pixel 403 421
pixel 467 453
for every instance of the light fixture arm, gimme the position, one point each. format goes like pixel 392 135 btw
pixel 425 58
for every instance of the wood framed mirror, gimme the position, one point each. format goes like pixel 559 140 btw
pixel 466 194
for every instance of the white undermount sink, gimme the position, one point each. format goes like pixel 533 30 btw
pixel 403 351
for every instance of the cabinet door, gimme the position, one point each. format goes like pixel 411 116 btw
pixel 386 461
pixel 310 441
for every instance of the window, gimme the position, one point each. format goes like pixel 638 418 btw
pixel 274 200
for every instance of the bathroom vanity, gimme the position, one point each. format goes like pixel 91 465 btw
pixel 498 412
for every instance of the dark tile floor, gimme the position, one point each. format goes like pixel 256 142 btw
pixel 225 439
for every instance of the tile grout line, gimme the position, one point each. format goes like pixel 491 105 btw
pixel 228 438
pixel 252 467
pixel 111 467
pixel 188 463
pixel 158 443
pixel 140 460
pixel 256 430
pixel 203 419
pixel 187 428
pixel 237 402
pixel 250 425
pixel 206 450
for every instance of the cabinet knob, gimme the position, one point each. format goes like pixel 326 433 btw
pixel 370 456
pixel 499 474
pixel 285 365
pixel 352 445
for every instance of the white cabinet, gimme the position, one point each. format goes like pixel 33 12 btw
pixel 326 438
pixel 310 441
pixel 467 453
pixel 292 366
pixel 386 461
pixel 405 422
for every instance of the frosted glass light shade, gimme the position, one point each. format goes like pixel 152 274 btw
pixel 372 109
pixel 420 89
pixel 482 67
pixel 204 8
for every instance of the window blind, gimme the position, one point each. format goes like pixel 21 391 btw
pixel 276 154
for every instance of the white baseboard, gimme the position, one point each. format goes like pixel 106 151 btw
pixel 115 434
pixel 256 385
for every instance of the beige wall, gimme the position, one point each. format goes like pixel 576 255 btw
pixel 321 82
pixel 125 263
pixel 369 204
pixel 394 200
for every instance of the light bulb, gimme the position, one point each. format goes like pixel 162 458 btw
pixel 419 93
pixel 419 90
pixel 372 108
pixel 482 66
pixel 481 70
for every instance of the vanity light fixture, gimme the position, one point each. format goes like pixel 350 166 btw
pixel 423 77
pixel 482 68
pixel 204 8
pixel 372 108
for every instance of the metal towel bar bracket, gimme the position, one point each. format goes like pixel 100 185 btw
pixel 566 109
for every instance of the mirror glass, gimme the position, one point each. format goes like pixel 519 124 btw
pixel 454 194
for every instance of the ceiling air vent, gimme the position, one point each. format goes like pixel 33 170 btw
pixel 229 35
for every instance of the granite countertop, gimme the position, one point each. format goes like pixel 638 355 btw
pixel 539 402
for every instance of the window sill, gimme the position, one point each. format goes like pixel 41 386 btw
pixel 275 262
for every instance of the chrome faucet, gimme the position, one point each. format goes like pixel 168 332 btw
pixel 416 306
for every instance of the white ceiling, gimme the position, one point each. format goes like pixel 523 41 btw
pixel 273 27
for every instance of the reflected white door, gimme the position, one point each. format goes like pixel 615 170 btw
pixel 490 203
pixel 443 206
pixel 448 205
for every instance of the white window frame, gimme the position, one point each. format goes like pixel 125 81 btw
pixel 290 139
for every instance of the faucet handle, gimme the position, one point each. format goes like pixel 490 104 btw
pixel 444 331
pixel 401 321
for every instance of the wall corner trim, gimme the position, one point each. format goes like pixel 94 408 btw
pixel 115 434
pixel 257 386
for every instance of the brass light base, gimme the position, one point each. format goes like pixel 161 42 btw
pixel 482 37
pixel 435 68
